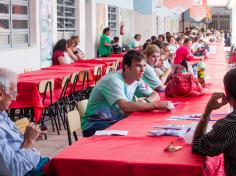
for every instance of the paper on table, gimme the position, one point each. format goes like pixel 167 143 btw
pixel 171 126
pixel 171 131
pixel 185 117
pixel 111 132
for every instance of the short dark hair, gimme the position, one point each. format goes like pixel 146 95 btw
pixel 179 38
pixel 187 40
pixel 130 56
pixel 153 38
pixel 107 29
pixel 158 43
pixel 230 84
pixel 148 41
pixel 116 39
pixel 137 35
pixel 168 37
pixel 162 36
pixel 60 45
pixel 145 45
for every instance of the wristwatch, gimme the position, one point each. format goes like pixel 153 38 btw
pixel 147 100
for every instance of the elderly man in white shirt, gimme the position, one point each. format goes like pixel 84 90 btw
pixel 17 155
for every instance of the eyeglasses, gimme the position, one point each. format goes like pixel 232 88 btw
pixel 12 94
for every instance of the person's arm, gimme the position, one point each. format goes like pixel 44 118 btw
pixel 211 105
pixel 80 56
pixel 154 97
pixel 71 54
pixel 61 60
pixel 129 107
pixel 16 162
pixel 109 44
pixel 30 136
pixel 165 74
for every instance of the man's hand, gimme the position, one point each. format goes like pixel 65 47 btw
pixel 30 136
pixel 164 105
pixel 214 102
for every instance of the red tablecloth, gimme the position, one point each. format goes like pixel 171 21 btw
pixel 139 153
pixel 28 95
pixel 118 55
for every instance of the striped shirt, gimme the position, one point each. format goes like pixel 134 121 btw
pixel 221 139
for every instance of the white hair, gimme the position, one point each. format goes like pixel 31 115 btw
pixel 7 77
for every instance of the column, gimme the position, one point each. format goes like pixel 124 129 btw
pixel 90 28
pixel 233 32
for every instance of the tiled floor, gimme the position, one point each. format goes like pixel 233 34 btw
pixel 54 144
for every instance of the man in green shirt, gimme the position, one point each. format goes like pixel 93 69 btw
pixel 105 43
pixel 112 98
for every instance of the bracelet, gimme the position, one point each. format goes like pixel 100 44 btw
pixel 147 100
pixel 205 117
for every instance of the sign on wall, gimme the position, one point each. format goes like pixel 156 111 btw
pixel 199 10
pixel 46 35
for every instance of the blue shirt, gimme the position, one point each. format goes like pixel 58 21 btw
pixel 151 78
pixel 14 160
pixel 102 106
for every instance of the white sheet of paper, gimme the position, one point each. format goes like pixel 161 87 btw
pixel 112 132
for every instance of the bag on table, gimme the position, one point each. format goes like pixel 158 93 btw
pixel 183 85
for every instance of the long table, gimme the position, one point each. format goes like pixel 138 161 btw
pixel 139 153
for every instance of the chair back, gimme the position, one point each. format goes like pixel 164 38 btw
pixel 44 87
pixel 73 124
pixel 21 124
pixel 116 65
pixel 97 72
pixel 109 69
pixel 84 77
pixel 82 106
pixel 74 80
pixel 64 85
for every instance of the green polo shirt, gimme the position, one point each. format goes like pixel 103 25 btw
pixel 104 50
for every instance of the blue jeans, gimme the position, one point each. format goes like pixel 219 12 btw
pixel 96 126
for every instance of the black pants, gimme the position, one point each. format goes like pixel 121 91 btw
pixel 104 56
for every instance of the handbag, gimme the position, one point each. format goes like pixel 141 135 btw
pixel 184 85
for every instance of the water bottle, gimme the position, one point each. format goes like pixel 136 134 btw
pixel 201 72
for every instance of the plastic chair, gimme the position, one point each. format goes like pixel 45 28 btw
pixel 21 124
pixel 73 124
pixel 109 69
pixel 61 104
pixel 82 106
pixel 46 86
pixel 116 65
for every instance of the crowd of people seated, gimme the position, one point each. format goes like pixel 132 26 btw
pixel 144 73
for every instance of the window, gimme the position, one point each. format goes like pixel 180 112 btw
pixel 113 22
pixel 14 23
pixel 66 18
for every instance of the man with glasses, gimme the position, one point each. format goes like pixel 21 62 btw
pixel 17 155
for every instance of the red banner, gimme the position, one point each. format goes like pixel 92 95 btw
pixel 199 10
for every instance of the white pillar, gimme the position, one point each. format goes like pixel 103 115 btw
pixel 81 25
pixel 90 29
pixel 233 32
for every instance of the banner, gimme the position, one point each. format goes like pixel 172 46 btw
pixel 199 10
